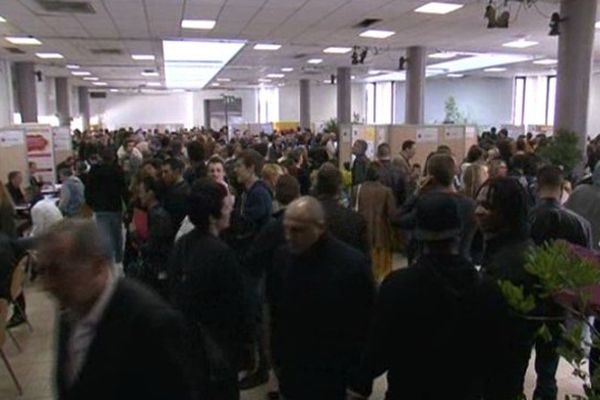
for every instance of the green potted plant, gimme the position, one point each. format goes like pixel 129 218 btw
pixel 562 149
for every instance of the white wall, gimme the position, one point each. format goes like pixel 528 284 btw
pixel 46 96
pixel 484 101
pixel 122 110
pixel 6 94
pixel 323 102
pixel 249 103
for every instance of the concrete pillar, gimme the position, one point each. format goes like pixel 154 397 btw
pixel 415 84
pixel 63 101
pixel 206 114
pixel 26 91
pixel 575 52
pixel 344 95
pixel 84 106
pixel 305 104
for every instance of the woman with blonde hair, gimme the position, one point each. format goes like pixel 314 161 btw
pixel 474 177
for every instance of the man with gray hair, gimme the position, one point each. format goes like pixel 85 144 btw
pixel 116 340
pixel 321 303
pixel 72 193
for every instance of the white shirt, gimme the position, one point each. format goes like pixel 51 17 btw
pixel 84 331
pixel 44 214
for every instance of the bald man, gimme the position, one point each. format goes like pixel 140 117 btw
pixel 322 299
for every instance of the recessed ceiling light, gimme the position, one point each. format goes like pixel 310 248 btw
pixel 337 50
pixel 262 80
pixel 150 73
pixel 281 84
pixel 99 83
pixel 353 77
pixel 23 40
pixel 520 44
pixel 374 72
pixel 2 19
pixel 443 55
pixel 206 24
pixel 224 79
pixel 287 69
pixel 495 69
pixel 546 61
pixel 276 76
pixel 72 66
pixel 377 34
pixel 328 82
pixel 91 78
pixel 49 56
pixel 178 90
pixel 143 57
pixel 215 84
pixel 598 25
pixel 455 75
pixel 80 73
pixel 114 90
pixel 315 61
pixel 154 84
pixel 438 8
pixel 267 46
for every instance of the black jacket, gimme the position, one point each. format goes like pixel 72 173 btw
pixel 550 221
pixel 157 248
pixel 321 308
pixel 106 190
pixel 345 224
pixel 259 259
pixel 138 352
pixel 176 202
pixel 432 317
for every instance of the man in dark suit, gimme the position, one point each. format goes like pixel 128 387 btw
pixel 116 339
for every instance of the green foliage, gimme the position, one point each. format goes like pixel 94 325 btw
pixel 331 126
pixel 516 297
pixel 562 150
pixel 453 114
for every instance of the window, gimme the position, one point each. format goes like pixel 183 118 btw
pixel 379 103
pixel 268 105
pixel 370 103
pixel 519 109
pixel 534 100
pixel 551 103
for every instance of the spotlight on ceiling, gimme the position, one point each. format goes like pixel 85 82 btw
pixel 402 63
pixel 332 79
pixel 359 55
pixel 495 20
pixel 363 55
pixel 554 25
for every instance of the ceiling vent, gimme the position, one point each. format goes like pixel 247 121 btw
pixel 367 22
pixel 66 7
pixel 107 52
pixel 98 95
pixel 14 50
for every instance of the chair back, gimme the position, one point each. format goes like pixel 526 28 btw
pixel 18 278
pixel 3 317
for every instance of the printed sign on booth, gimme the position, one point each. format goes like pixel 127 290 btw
pixel 40 149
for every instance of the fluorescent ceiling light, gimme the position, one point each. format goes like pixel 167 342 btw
pixel 114 90
pixel 315 61
pixel 49 56
pixel 438 8
pixel 215 84
pixel 377 34
pixel 444 55
pixel 276 76
pixel 154 84
pixel 267 46
pixel 374 72
pixel 328 81
pixel 100 83
pixel 206 24
pixel 337 50
pixel 143 57
pixel 455 75
pixel 520 44
pixel 546 61
pixel 287 69
pixel 2 19
pixel 192 64
pixel 178 90
pixel 223 79
pixel 91 78
pixel 598 25
pixel 81 73
pixel 153 73
pixel 495 69
pixel 263 80
pixel 23 40
pixel 73 66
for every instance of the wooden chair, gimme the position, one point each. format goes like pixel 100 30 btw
pixel 16 286
pixel 3 316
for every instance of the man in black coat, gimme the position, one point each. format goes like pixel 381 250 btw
pixel 177 191
pixel 116 340
pixel 320 308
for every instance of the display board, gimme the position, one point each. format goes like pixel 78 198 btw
pixel 63 144
pixel 13 152
pixel 40 149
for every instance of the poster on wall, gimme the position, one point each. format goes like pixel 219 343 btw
pixel 453 133
pixel 12 138
pixel 470 132
pixel 40 149
pixel 427 135
pixel 62 139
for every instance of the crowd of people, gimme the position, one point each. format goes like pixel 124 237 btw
pixel 248 254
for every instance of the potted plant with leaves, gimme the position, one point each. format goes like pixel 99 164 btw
pixel 563 150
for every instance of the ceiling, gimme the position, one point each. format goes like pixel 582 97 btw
pixel 303 28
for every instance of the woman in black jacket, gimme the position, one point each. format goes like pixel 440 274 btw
pixel 207 286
